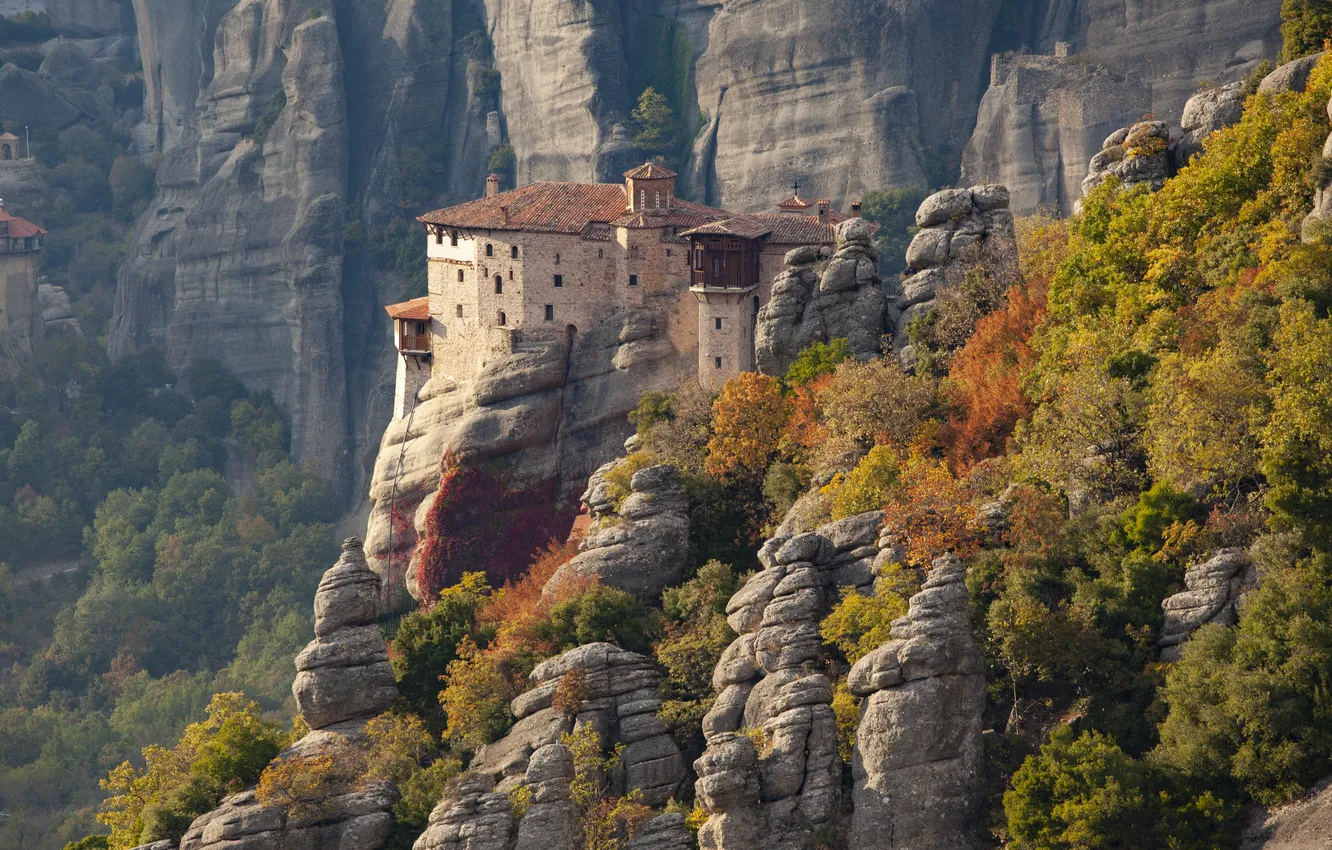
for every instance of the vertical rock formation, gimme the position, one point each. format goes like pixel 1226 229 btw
pixel 918 753
pixel 360 819
pixel 1040 122
pixel 639 546
pixel 344 673
pixel 959 228
pixel 783 792
pixel 1212 595
pixel 621 704
pixel 819 299
pixel 1135 156
pixel 239 257
pixel 837 94
pixel 547 411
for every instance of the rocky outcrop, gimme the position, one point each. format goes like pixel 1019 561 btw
pixel 781 793
pixel 918 753
pixel 90 18
pixel 344 673
pixel 358 820
pixel 240 255
pixel 1292 76
pixel 27 98
pixel 1136 156
pixel 1204 114
pixel 959 228
pixel 1212 594
pixel 621 703
pixel 818 298
pixel 57 313
pixel 547 411
pixel 69 70
pixel 1039 123
pixel 640 545
pixel 1304 825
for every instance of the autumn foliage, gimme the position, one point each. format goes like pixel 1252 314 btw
pixel 747 420
pixel 477 522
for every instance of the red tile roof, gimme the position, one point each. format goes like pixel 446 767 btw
pixel 416 310
pixel 564 208
pixel 743 226
pixel 649 171
pixel 778 228
pixel 538 208
pixel 17 228
pixel 795 202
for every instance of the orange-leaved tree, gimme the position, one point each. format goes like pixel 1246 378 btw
pixel 747 420
pixel 934 513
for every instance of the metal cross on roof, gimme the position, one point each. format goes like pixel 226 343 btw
pixel 795 188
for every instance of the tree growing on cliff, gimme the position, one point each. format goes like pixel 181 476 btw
pixel 656 126
pixel 1305 26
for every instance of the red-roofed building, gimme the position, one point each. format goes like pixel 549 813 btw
pixel 412 339
pixel 555 259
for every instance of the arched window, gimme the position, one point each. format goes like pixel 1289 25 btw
pixel 501 319
pixel 490 250
pixel 513 251
pixel 8 152
pixel 499 286
pixel 557 259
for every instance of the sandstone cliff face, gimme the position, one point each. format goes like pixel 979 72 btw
pixel 239 257
pixel 621 705
pixel 639 546
pixel 918 751
pixel 842 95
pixel 1041 122
pixel 545 412
pixel 820 298
pixel 768 680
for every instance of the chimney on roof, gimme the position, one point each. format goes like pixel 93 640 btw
pixel 824 205
pixel 492 185
pixel 855 209
pixel 504 214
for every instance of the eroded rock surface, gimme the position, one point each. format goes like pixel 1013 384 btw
pixel 1040 122
pixel 1135 156
pixel 918 754
pixel 621 704
pixel 344 673
pixel 818 298
pixel 639 546
pixel 546 412
pixel 1212 595
pixel 358 820
pixel 240 255
pixel 959 228
pixel 768 682
pixel 1204 114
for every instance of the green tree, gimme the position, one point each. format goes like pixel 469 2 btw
pixel 1084 792
pixel 894 210
pixel 657 128
pixel 818 359
pixel 1305 26
pixel 426 643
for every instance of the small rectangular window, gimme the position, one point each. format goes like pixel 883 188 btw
pixel 559 281
pixel 633 280
pixel 460 311
pixel 717 360
pixel 557 259
pixel 550 312
pixel 668 252
pixel 460 275
pixel 439 237
pixel 453 239
pixel 718 322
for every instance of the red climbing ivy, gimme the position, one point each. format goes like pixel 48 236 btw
pixel 478 523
